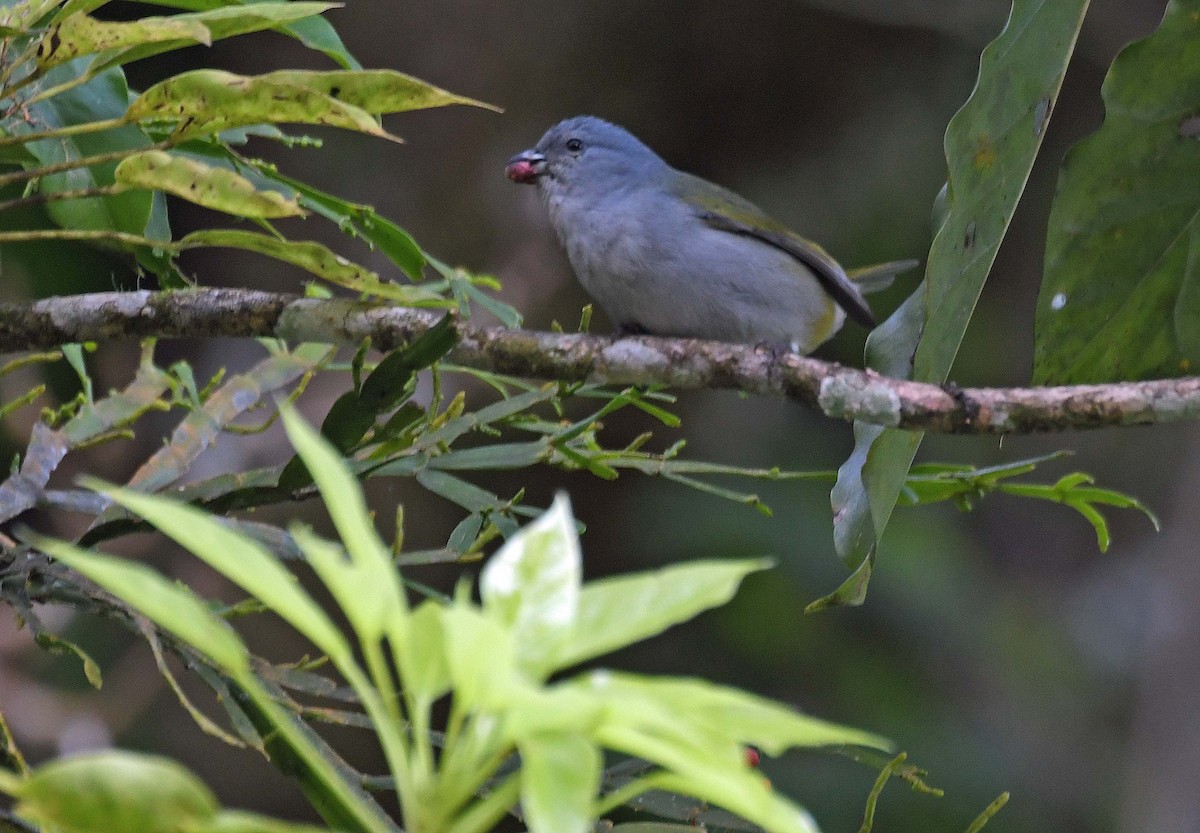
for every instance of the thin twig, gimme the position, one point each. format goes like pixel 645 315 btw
pixel 80 162
pixel 56 196
pixel 62 132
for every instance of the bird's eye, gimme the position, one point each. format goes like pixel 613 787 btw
pixel 574 145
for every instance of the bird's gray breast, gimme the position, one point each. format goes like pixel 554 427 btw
pixel 653 264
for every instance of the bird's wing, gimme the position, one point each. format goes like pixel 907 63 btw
pixel 880 276
pixel 725 210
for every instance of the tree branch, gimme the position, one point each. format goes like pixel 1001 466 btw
pixel 682 364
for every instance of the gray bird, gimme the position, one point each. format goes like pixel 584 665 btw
pixel 667 253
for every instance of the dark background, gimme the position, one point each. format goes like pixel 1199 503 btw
pixel 999 648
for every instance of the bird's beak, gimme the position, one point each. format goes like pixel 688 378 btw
pixel 525 167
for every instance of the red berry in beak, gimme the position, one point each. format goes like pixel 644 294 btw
pixel 525 167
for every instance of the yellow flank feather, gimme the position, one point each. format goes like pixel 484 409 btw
pixel 823 326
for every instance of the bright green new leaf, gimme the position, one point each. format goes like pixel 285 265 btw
pixel 239 558
pixel 422 658
pixel 1120 297
pixel 531 586
pixel 169 605
pixel 368 600
pixel 81 34
pixel 615 612
pixel 742 717
pixel 560 774
pixel 216 188
pixel 102 792
pixel 239 821
pixel 991 145
pixel 481 657
pixel 346 506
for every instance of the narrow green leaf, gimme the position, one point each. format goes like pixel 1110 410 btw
pixel 347 422
pixel 560 774
pixel 389 381
pixel 1120 297
pixel 100 792
pixel 500 456
pixel 395 243
pixel 239 558
pixel 615 612
pixel 216 188
pixel 422 658
pixel 346 506
pixel 169 605
pixel 239 821
pixel 368 603
pixel 317 259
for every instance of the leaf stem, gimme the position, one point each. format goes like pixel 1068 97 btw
pixel 61 132
pixel 80 162
pixel 55 196
pixel 483 814
pixel 85 235
pixel 627 793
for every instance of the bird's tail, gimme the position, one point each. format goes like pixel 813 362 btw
pixel 880 276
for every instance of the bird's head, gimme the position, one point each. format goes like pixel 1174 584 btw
pixel 585 153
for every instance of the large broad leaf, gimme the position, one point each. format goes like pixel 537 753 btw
pixel 102 98
pixel 1120 297
pixel 991 145
pixel 113 790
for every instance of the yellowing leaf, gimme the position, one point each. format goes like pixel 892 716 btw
pixel 216 188
pixel 81 34
pixel 375 90
pixel 208 101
